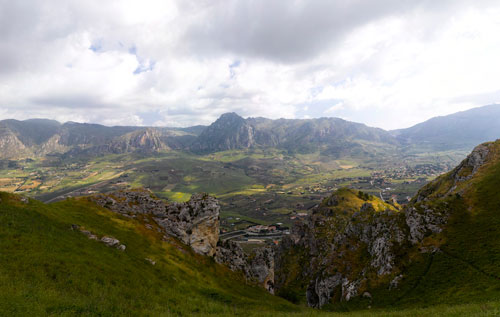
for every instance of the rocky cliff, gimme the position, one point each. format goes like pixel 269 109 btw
pixel 229 132
pixel 195 222
pixel 257 267
pixel 354 244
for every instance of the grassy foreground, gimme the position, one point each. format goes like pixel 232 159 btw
pixel 48 269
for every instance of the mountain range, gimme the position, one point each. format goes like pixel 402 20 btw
pixel 331 136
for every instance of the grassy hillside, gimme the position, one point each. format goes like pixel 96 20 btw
pixel 466 266
pixel 48 269
pixel 456 264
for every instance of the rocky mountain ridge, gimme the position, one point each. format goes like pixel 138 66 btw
pixel 331 136
pixel 354 244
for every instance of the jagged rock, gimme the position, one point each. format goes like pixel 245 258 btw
pixel 349 289
pixel 139 201
pixel 343 248
pixel 471 164
pixel 367 295
pixel 262 268
pixel 231 254
pixel 258 268
pixel 150 261
pixel 110 242
pixel 121 247
pixel 89 235
pixel 195 222
pixel 395 281
pixel 421 222
pixel 320 291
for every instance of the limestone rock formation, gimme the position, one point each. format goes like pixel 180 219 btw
pixel 259 267
pixel 350 241
pixel 353 240
pixel 195 222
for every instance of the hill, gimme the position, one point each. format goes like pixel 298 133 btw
pixel 54 261
pixel 461 130
pixel 443 247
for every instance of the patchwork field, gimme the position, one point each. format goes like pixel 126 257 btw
pixel 257 186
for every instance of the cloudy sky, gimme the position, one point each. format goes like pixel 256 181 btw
pixel 386 63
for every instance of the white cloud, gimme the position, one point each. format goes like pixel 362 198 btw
pixel 175 63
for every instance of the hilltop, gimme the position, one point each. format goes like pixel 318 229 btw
pixel 358 251
pixel 78 258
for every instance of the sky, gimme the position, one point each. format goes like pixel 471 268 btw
pixel 385 63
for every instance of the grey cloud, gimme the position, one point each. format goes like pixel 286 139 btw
pixel 287 31
pixel 72 101
pixel 34 34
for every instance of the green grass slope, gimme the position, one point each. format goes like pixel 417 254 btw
pixel 48 269
pixel 455 265
pixel 466 267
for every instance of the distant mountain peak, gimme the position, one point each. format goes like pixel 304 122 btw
pixel 230 115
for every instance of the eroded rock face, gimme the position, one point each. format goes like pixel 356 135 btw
pixel 422 221
pixel 340 251
pixel 195 222
pixel 259 267
pixel 472 163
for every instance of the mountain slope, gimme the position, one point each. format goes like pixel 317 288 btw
pixel 34 131
pixel 461 130
pixel 441 248
pixel 229 132
pixel 50 264
pixel 39 137
pixel 332 136
pixel 11 146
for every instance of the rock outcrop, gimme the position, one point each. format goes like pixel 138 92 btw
pixel 257 267
pixel 353 241
pixel 454 181
pixel 195 222
pixel 350 241
pixel 108 241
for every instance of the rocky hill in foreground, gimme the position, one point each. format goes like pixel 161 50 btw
pixel 443 247
pixel 124 254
